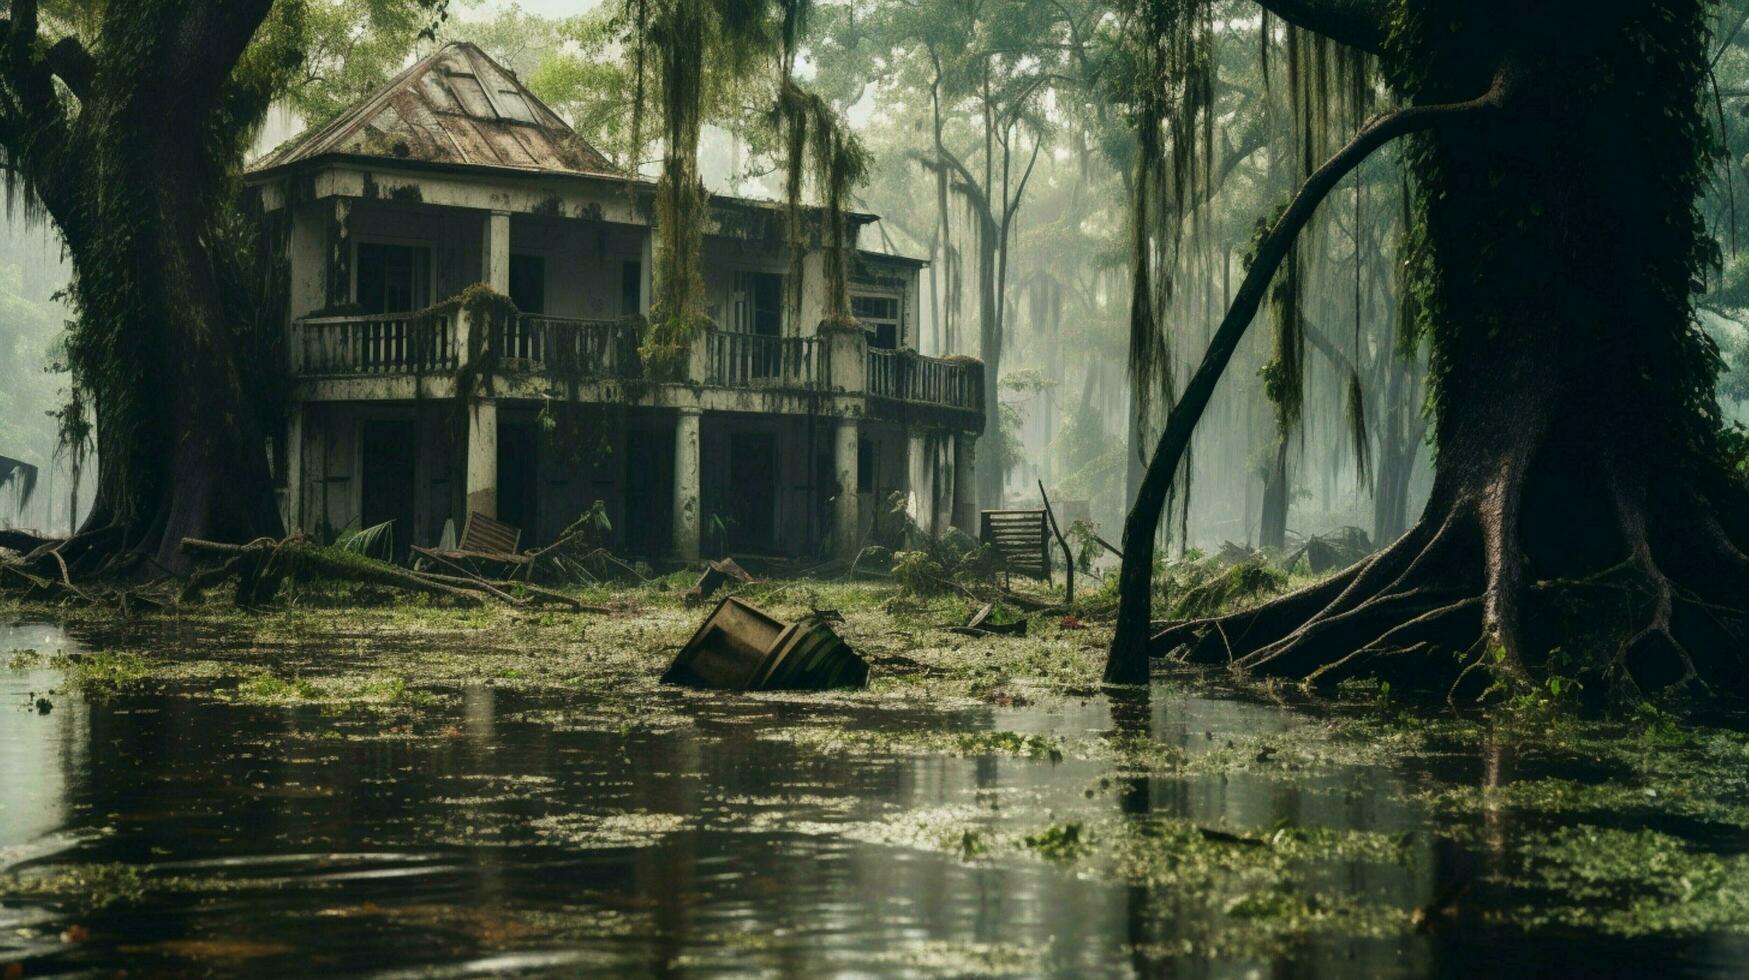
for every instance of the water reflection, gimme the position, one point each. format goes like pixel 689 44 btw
pixel 504 832
pixel 35 770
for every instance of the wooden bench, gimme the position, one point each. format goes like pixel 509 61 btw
pixel 1021 538
pixel 483 539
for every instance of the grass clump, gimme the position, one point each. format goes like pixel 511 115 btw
pixel 1628 883
pixel 104 674
pixel 380 690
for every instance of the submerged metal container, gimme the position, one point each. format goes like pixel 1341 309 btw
pixel 740 648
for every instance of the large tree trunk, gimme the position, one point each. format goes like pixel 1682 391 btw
pixel 137 189
pixel 1583 521
pixel 1272 529
pixel 993 460
pixel 1400 435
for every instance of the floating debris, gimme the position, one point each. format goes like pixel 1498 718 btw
pixel 740 648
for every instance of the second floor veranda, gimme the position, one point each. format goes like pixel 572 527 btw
pixel 422 354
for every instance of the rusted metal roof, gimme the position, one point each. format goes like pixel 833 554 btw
pixel 456 106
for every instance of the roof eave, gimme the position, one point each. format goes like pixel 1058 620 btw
pixel 268 174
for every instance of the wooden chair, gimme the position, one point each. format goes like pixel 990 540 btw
pixel 1022 538
pixel 483 539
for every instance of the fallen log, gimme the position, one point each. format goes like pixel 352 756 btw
pixel 366 571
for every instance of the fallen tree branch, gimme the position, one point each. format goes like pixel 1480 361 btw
pixel 365 570
pixel 497 588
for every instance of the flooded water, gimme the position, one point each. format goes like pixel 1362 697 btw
pixel 486 830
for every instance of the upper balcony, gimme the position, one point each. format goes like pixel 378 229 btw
pixel 384 357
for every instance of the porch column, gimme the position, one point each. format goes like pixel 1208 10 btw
pixel 965 482
pixel 846 510
pixel 919 497
pixel 294 469
pixel 646 270
pixel 482 476
pixel 495 253
pixel 686 483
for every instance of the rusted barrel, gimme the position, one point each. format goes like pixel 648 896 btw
pixel 740 648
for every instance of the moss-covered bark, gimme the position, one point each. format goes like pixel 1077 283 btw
pixel 128 148
pixel 1586 519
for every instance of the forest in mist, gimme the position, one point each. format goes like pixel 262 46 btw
pixel 1002 141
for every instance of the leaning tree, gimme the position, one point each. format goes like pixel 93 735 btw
pixel 125 124
pixel 1588 515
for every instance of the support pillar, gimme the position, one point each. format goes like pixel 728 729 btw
pixel 495 253
pixel 686 483
pixel 965 482
pixel 294 468
pixel 646 271
pixel 847 508
pixel 482 477
pixel 919 500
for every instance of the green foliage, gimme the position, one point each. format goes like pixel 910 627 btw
pixel 350 47
pixel 1197 587
pixel 939 565
pixel 104 674
pixel 373 542
pixel 1084 537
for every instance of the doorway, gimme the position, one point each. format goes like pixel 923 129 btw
pixel 518 479
pixel 649 523
pixel 386 480
pixel 752 492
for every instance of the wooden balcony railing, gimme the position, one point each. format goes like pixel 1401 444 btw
pixel 396 343
pixel 428 342
pixel 744 360
pixel 569 348
pixel 909 376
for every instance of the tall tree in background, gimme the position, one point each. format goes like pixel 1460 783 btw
pixel 125 123
pixel 1587 516
pixel 988 67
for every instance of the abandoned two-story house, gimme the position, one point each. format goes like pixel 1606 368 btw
pixel 780 435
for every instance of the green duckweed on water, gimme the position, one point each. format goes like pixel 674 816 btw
pixel 1263 821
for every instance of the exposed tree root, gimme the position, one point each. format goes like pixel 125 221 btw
pixel 1446 608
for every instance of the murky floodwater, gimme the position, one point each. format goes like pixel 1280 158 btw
pixel 499 831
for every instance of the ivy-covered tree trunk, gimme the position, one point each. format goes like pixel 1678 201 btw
pixel 1400 431
pixel 1586 520
pixel 993 454
pixel 132 165
pixel 1272 528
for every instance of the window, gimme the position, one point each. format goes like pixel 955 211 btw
pixel 880 317
pixel 528 283
pixel 631 288
pixel 393 278
pixel 758 303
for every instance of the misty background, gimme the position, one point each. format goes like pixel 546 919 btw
pixel 1353 455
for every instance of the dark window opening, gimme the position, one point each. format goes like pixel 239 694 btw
pixel 631 288
pixel 880 317
pixel 393 278
pixel 759 303
pixel 528 283
pixel 865 465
